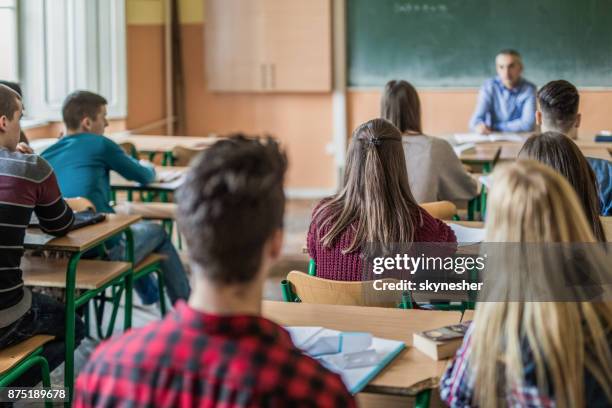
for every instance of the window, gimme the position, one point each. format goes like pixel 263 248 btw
pixel 9 66
pixel 67 45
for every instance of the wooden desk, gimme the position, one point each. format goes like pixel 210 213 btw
pixel 162 144
pixel 410 372
pixel 483 154
pixel 76 243
pixel 83 239
pixel 117 182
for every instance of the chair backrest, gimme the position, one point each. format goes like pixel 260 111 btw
pixel 444 210
pixel 183 155
pixel 80 204
pixel 607 226
pixel 129 149
pixel 311 289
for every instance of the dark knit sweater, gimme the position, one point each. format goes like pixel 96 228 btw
pixel 333 264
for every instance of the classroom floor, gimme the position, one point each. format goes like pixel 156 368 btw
pixel 297 220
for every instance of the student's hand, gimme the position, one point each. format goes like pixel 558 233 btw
pixel 24 148
pixel 483 129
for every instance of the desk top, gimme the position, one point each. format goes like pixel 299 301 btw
pixel 483 153
pixel 149 143
pixel 410 372
pixel 88 237
pixel 118 182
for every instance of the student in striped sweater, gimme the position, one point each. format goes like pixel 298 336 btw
pixel 27 184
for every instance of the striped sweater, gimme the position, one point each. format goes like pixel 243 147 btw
pixel 27 183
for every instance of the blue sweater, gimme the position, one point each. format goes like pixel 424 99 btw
pixel 82 163
pixel 603 172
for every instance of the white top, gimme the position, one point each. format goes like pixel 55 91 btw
pixel 435 172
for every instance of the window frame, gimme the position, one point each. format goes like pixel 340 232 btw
pixel 68 40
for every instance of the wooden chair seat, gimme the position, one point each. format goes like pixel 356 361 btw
pixel 310 289
pixel 11 356
pixel 151 211
pixel 91 274
pixel 149 260
pixel 444 210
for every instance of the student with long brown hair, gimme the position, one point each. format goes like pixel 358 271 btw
pixel 561 153
pixel 534 353
pixel 435 172
pixel 375 205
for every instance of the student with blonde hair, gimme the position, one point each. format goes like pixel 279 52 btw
pixel 435 172
pixel 375 205
pixel 535 353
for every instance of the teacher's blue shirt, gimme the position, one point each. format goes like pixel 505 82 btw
pixel 506 110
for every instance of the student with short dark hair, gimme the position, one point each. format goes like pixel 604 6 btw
pixel 561 153
pixel 375 205
pixel 82 160
pixel 435 173
pixel 558 111
pixel 218 350
pixel 506 103
pixel 17 88
pixel 27 184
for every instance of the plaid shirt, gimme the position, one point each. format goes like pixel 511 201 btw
pixel 457 384
pixel 193 359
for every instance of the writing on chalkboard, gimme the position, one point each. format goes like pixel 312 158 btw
pixel 420 8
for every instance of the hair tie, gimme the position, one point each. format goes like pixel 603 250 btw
pixel 374 141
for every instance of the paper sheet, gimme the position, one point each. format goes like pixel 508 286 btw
pixel 467 235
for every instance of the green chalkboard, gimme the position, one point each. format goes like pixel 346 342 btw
pixel 452 43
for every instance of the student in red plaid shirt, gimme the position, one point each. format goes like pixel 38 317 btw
pixel 217 350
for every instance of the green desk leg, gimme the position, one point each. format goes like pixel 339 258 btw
pixel 483 202
pixel 25 365
pixel 312 268
pixel 129 278
pixel 422 399
pixel 288 295
pixel 70 323
pixel 471 208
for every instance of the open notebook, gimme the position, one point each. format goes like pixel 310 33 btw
pixel 380 352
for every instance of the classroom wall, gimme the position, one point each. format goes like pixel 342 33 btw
pixel 449 111
pixel 303 122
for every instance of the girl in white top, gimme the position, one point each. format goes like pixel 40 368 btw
pixel 435 172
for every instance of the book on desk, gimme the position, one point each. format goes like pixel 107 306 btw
pixel 356 357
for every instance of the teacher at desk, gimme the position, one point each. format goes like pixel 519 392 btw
pixel 506 103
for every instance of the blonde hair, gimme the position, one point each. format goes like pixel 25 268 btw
pixel 530 202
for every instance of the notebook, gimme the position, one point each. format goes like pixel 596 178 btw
pixel 381 351
pixel 81 219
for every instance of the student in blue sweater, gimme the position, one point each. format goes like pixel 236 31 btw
pixel 82 160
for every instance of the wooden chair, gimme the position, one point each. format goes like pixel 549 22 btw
pixel 444 210
pixel 80 204
pixel 182 156
pixel 19 358
pixel 129 149
pixel 302 287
